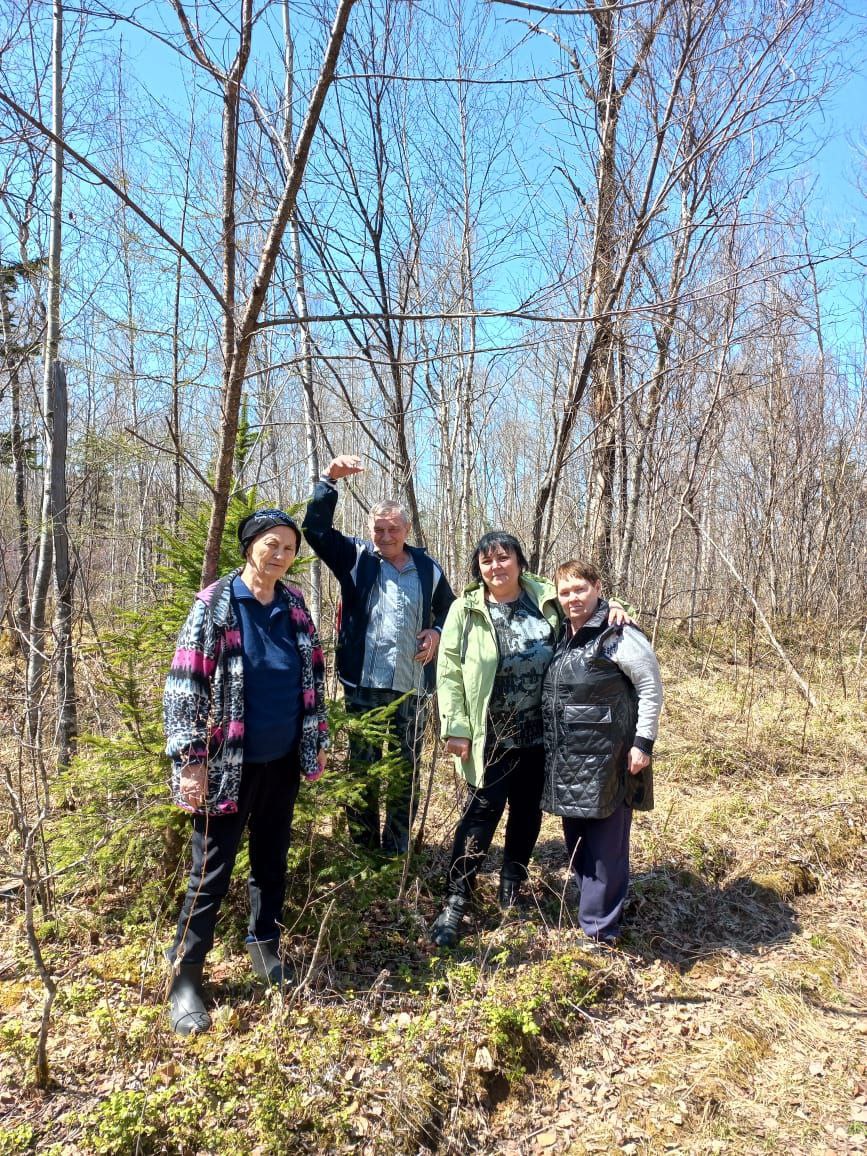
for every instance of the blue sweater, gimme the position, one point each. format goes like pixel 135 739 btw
pixel 272 676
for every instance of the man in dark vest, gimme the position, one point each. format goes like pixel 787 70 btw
pixel 394 600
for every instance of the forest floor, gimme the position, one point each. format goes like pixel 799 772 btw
pixel 732 1019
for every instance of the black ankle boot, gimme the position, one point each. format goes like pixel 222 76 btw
pixel 446 928
pixel 267 964
pixel 187 1011
pixel 509 893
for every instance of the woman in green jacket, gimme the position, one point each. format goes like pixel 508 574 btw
pixel 497 642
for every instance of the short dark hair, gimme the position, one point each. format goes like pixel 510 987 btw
pixel 490 542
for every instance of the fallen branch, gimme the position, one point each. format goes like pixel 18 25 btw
pixel 314 960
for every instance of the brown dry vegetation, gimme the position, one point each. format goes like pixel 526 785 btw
pixel 733 1020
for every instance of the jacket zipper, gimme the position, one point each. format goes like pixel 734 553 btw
pixel 555 794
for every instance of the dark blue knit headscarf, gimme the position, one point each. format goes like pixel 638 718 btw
pixel 260 521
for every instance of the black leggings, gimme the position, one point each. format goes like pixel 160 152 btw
pixel 516 778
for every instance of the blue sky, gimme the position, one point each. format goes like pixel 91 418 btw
pixel 837 208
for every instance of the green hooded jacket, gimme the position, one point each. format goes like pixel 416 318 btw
pixel 467 664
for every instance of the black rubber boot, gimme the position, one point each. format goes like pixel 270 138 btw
pixel 446 928
pixel 267 964
pixel 509 893
pixel 187 1010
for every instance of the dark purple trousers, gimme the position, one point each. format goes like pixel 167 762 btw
pixel 599 857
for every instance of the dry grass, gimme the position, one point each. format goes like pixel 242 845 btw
pixel 733 1021
pixel 739 1023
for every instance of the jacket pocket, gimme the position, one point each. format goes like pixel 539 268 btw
pixel 639 790
pixel 587 713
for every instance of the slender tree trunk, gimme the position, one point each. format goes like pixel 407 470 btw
pixel 690 485
pixel 468 487
pixel 52 538
pixel 175 420
pixel 696 571
pixel 449 424
pixel 309 399
pixel 67 711
pixel 658 388
pixel 622 435
pixel 467 338
pixel 801 683
pixel 611 258
pixel 307 377
pixel 20 615
pixel 600 494
pixel 42 580
pixel 246 326
pixel 546 496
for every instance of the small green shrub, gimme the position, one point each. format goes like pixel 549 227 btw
pixel 125 1122
pixel 17 1139
pixel 114 829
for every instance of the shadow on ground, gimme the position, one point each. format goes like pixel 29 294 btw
pixel 675 914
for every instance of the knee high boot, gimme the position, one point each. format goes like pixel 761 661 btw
pixel 187 1011
pixel 267 962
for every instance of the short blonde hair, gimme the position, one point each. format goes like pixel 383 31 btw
pixel 577 568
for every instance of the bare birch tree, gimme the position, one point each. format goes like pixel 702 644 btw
pixel 669 96
pixel 240 319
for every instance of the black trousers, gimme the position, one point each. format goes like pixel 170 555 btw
pixel 401 795
pixel 515 779
pixel 266 802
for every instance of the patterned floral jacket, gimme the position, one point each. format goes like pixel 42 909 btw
pixel 203 702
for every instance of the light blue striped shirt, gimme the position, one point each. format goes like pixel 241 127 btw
pixel 390 645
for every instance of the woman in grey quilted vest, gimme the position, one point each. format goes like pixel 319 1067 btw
pixel 601 700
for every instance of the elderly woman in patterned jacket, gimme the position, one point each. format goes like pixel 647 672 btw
pixel 244 712
pixel 601 700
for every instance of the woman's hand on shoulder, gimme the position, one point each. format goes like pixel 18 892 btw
pixel 460 748
pixel 617 616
